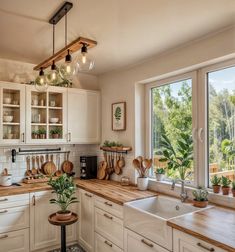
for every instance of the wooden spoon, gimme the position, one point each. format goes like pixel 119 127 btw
pixel 121 162
pixel 147 163
pixel 28 171
pixel 34 170
pixel 5 172
pixel 58 173
pixel 38 164
pixel 42 163
pixel 117 168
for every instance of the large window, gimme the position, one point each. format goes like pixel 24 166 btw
pixel 171 128
pixel 221 123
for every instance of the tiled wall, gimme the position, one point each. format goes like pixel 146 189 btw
pixel 18 168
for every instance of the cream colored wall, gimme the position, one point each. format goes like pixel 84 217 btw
pixel 16 71
pixel 123 85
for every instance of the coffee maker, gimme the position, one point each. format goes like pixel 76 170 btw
pixel 88 167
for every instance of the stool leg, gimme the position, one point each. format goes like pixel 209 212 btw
pixel 63 238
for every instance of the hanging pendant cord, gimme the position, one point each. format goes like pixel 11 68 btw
pixel 53 38
pixel 65 27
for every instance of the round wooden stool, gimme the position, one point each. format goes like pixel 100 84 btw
pixel 53 220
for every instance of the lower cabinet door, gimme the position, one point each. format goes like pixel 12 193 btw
pixel 15 241
pixel 136 243
pixel 104 245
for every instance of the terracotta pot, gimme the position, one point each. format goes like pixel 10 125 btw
pixel 63 216
pixel 200 204
pixel 225 190
pixel 142 184
pixel 55 135
pixel 233 191
pixel 216 188
pixel 34 136
pixel 42 136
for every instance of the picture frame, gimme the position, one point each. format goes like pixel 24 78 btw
pixel 119 116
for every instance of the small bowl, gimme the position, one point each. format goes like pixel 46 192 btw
pixel 7 100
pixel 7 118
pixel 54 120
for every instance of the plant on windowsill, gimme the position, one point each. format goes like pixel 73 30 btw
pixel 225 185
pixel 142 165
pixel 56 133
pixel 179 158
pixel 34 134
pixel 215 181
pixel 233 188
pixel 64 188
pixel 200 197
pixel 160 173
pixel 42 133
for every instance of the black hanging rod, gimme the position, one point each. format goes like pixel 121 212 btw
pixel 65 8
pixel 39 150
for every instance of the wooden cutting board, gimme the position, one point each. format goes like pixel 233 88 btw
pixel 102 170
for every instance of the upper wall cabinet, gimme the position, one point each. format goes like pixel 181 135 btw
pixel 12 113
pixel 46 115
pixel 56 116
pixel 83 116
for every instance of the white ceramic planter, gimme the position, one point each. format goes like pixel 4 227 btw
pixel 6 180
pixel 159 177
pixel 142 183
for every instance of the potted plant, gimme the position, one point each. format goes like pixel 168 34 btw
pixel 42 133
pixel 64 188
pixel 34 134
pixel 215 181
pixel 233 188
pixel 178 158
pixel 56 133
pixel 142 166
pixel 225 185
pixel 160 174
pixel 200 197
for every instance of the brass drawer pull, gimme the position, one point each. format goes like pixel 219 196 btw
pixel 204 247
pixel 147 243
pixel 88 195
pixel 108 204
pixel 4 211
pixel 1 200
pixel 107 216
pixel 108 243
pixel 4 237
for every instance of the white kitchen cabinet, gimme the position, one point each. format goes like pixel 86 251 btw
pixel 136 243
pixel 86 219
pixel 41 107
pixel 12 104
pixel 83 116
pixel 187 243
pixel 16 241
pixel 104 245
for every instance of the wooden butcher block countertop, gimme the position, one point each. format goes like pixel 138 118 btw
pixel 109 190
pixel 215 225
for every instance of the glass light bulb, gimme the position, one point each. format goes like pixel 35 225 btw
pixel 52 77
pixel 84 58
pixel 41 83
pixel 84 63
pixel 67 70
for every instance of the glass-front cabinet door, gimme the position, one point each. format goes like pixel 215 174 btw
pixel 46 115
pixel 12 113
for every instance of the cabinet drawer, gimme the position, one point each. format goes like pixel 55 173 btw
pixel 109 226
pixel 185 242
pixel 104 245
pixel 14 218
pixel 137 243
pixel 16 241
pixel 14 200
pixel 109 206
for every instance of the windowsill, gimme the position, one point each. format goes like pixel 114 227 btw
pixel 165 187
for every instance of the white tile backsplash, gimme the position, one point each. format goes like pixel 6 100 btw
pixel 18 168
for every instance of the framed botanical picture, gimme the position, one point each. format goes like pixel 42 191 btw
pixel 119 116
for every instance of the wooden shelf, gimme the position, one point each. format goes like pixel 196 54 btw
pixel 59 108
pixel 10 106
pixel 55 124
pixel 38 124
pixel 10 123
pixel 116 149
pixel 38 107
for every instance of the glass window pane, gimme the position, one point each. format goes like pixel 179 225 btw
pixel 172 144
pixel 221 123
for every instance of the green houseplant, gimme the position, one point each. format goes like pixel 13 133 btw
pixel 34 134
pixel 42 133
pixel 215 181
pixel 160 173
pixel 178 158
pixel 200 197
pixel 233 188
pixel 56 132
pixel 225 185
pixel 64 188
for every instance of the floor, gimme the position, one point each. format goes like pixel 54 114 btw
pixel 72 248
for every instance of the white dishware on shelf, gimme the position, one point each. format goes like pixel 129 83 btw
pixel 7 118
pixel 54 120
pixel 35 102
pixel 7 100
pixel 52 103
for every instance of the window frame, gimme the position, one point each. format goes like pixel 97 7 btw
pixel 148 98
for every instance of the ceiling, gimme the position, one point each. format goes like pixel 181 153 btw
pixel 127 31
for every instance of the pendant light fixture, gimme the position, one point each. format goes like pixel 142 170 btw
pixel 41 81
pixel 52 76
pixel 67 70
pixel 83 62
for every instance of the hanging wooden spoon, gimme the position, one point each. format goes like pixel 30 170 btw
pixel 58 173
pixel 38 164
pixel 28 171
pixel 34 170
pixel 42 163
pixel 117 169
